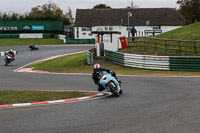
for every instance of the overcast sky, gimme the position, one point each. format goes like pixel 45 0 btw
pixel 22 6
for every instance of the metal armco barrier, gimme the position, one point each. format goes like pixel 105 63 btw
pixel 146 61
pixel 90 56
pixel 115 57
pixel 184 63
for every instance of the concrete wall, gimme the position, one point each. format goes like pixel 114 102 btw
pixel 108 45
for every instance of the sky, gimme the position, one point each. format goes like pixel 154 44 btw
pixel 22 6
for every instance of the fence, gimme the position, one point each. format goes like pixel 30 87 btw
pixel 168 46
pixel 185 63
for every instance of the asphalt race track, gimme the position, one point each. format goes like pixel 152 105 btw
pixel 148 104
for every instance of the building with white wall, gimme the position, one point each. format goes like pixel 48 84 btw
pixel 145 20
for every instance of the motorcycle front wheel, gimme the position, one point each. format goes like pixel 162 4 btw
pixel 113 90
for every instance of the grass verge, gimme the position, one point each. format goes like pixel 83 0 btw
pixel 188 32
pixel 12 97
pixel 71 63
pixel 76 64
pixel 22 42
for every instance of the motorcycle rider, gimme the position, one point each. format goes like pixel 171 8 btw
pixel 12 54
pixel 32 46
pixel 96 71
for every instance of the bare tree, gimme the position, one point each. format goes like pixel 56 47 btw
pixel 69 15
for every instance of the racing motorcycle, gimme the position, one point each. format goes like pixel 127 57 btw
pixel 8 59
pixel 33 47
pixel 110 83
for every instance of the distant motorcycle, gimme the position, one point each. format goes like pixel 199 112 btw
pixel 110 83
pixel 33 47
pixel 8 59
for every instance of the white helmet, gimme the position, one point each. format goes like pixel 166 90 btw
pixel 97 67
pixel 11 50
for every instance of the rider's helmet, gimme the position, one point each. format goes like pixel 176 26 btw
pixel 11 50
pixel 97 68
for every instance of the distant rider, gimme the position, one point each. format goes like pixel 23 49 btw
pixel 12 54
pixel 32 46
pixel 95 74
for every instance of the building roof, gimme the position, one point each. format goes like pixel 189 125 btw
pixel 119 16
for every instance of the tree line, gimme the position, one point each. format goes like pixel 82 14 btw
pixel 48 11
pixel 190 10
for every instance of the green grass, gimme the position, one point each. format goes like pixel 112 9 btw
pixel 12 97
pixel 70 63
pixel 189 32
pixel 76 64
pixel 22 42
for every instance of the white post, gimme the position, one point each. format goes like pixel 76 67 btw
pixel 128 28
pixel 129 15
pixel 128 21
